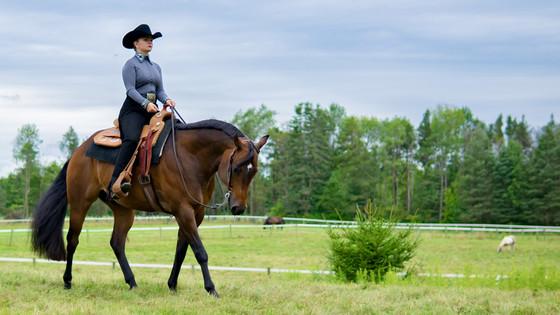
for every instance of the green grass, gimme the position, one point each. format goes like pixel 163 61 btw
pixel 533 286
pixel 27 289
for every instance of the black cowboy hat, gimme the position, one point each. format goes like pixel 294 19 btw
pixel 143 30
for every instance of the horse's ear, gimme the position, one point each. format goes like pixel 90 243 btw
pixel 262 142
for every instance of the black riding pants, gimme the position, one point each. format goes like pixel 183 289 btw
pixel 132 118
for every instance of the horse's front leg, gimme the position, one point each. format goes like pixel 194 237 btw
pixel 124 217
pixel 180 253
pixel 188 226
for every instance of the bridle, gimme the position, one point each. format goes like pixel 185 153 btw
pixel 227 195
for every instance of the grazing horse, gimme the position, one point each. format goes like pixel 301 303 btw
pixel 273 220
pixel 508 241
pixel 183 181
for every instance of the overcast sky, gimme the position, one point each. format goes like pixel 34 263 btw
pixel 61 61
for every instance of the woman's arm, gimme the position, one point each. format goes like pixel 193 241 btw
pixel 129 78
pixel 160 91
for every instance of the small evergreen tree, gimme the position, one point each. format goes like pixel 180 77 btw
pixel 371 249
pixel 69 142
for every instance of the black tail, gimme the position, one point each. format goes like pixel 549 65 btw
pixel 48 219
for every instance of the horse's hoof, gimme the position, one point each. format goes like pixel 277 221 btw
pixel 214 294
pixel 67 285
pixel 133 286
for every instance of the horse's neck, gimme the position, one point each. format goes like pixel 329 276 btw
pixel 208 147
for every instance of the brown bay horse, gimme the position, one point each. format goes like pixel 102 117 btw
pixel 274 220
pixel 212 147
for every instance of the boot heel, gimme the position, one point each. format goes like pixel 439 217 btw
pixel 106 196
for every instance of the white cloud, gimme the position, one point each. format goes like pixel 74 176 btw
pixel 61 62
pixel 485 26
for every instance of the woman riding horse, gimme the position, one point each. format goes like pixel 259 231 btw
pixel 183 180
pixel 143 82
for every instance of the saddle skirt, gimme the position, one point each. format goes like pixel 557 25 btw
pixel 111 137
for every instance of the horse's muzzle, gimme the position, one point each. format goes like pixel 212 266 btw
pixel 237 210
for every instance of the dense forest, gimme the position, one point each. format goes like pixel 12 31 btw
pixel 324 163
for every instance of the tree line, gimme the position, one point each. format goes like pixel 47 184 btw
pixel 324 163
pixel 21 189
pixel 452 167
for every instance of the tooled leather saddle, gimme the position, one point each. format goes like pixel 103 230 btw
pixel 111 138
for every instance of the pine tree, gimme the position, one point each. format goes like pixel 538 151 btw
pixel 544 177
pixel 26 151
pixel 503 181
pixel 474 183
pixel 426 179
pixel 447 131
pixel 353 179
pixel 305 157
pixel 496 133
pixel 69 142
pixel 425 150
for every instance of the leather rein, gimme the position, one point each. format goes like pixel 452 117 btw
pixel 176 155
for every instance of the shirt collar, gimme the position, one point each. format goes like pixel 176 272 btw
pixel 142 57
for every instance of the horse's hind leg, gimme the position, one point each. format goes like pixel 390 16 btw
pixel 124 217
pixel 78 210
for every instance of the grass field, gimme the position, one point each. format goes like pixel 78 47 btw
pixel 533 286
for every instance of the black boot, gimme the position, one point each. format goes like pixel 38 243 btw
pixel 107 195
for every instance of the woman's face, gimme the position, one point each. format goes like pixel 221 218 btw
pixel 143 45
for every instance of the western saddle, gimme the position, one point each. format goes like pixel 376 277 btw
pixel 111 137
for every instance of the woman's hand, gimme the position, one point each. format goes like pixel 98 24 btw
pixel 170 102
pixel 151 108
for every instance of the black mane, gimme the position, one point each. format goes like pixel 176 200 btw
pixel 215 124
pixel 226 128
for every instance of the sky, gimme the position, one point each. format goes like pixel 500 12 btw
pixel 61 61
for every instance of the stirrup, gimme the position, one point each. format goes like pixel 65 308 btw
pixel 120 187
pixel 126 187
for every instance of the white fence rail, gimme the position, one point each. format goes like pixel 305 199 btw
pixel 314 223
pixel 268 270
pixel 320 226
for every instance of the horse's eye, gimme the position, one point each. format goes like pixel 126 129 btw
pixel 251 170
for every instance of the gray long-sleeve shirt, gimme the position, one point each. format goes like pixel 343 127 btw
pixel 141 76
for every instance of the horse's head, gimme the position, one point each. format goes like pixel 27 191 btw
pixel 237 169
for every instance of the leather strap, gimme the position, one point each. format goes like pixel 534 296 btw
pixel 148 156
pixel 150 193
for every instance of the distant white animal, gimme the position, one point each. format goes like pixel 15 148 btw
pixel 508 241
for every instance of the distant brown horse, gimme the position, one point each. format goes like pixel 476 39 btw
pixel 207 148
pixel 273 220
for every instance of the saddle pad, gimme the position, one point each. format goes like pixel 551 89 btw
pixel 109 155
